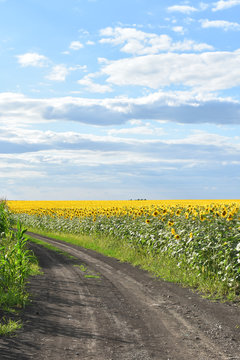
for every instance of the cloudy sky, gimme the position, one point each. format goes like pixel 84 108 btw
pixel 103 99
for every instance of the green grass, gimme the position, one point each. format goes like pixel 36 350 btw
pixel 51 247
pixel 163 267
pixel 81 267
pixel 91 276
pixel 35 269
pixel 9 326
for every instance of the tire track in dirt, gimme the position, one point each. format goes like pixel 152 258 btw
pixel 115 311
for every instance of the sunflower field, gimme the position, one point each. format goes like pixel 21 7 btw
pixel 203 236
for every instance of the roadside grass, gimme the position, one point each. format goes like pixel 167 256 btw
pixel 160 266
pixel 51 247
pixel 12 301
pixel 17 263
pixel 84 269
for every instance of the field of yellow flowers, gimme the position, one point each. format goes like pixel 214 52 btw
pixel 203 236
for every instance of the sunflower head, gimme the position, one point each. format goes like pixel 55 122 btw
pixel 224 213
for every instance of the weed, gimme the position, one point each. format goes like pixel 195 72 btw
pixel 8 326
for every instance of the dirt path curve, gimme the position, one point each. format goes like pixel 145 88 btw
pixel 92 307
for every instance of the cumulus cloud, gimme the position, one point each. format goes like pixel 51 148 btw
pixel 32 59
pixel 223 24
pixel 203 6
pixel 75 45
pixel 185 9
pixel 93 87
pixel 202 72
pixel 58 73
pixel 225 4
pixel 138 42
pixel 178 29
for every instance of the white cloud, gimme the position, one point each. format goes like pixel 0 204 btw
pixel 137 42
pixel 102 60
pixel 178 106
pixel 16 108
pixel 204 138
pixel 27 141
pixel 206 71
pixel 178 29
pixel 225 4
pixel 78 160
pixel 22 174
pixel 105 143
pixel 185 9
pixel 7 165
pixel 225 25
pixel 75 45
pixel 58 73
pixel 32 59
pixel 78 67
pixel 89 42
pixel 93 87
pixel 74 160
pixel 84 157
pixel 200 148
pixel 203 6
pixel 144 130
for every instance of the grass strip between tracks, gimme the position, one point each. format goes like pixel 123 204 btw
pixel 159 266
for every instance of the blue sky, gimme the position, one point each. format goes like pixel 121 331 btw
pixel 105 100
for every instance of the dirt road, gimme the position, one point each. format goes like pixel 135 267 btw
pixel 94 307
